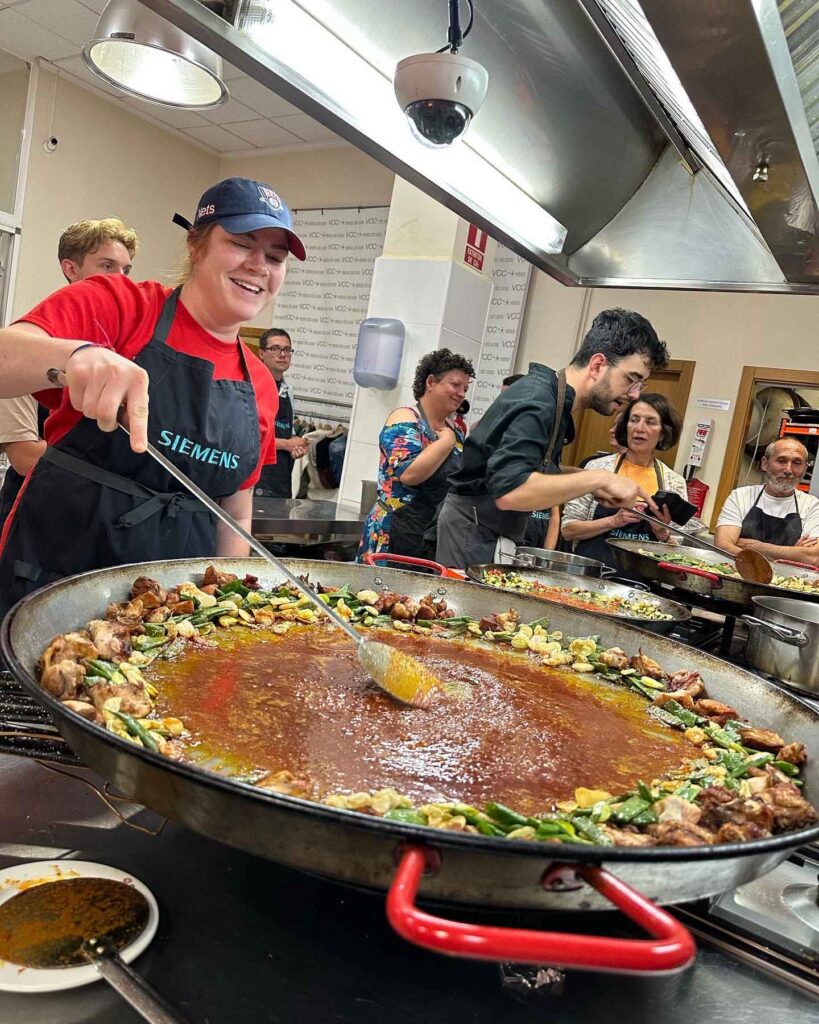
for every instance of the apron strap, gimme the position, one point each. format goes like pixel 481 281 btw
pixel 561 401
pixel 151 501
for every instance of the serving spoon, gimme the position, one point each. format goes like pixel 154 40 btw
pixel 72 922
pixel 403 677
pixel 751 565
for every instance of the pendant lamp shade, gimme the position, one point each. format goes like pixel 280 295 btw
pixel 145 56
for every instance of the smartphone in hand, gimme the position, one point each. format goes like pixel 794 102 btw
pixel 680 509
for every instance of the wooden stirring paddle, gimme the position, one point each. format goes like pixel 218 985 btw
pixel 751 565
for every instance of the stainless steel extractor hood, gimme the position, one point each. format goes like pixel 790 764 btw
pixel 647 144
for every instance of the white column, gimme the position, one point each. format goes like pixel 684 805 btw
pixel 422 280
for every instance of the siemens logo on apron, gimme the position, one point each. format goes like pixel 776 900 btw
pixel 185 446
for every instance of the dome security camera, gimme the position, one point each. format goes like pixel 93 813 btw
pixel 440 93
pixel 51 143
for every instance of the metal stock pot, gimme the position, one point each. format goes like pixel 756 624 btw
pixel 783 641
pixel 561 561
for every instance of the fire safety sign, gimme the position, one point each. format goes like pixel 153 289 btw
pixel 475 252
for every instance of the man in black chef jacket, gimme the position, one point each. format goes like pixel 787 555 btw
pixel 510 461
pixel 276 351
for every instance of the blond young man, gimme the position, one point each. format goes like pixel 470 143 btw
pixel 86 248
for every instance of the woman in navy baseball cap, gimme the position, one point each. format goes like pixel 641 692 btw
pixel 173 361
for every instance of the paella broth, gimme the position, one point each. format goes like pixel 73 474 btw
pixel 509 729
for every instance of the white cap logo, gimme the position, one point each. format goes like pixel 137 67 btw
pixel 267 195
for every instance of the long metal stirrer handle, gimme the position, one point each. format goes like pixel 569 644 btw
pixel 255 545
pixel 683 533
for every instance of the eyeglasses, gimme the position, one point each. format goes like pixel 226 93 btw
pixel 636 384
pixel 278 350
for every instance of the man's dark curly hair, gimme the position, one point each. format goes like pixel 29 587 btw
pixel 437 364
pixel 621 332
pixel 670 421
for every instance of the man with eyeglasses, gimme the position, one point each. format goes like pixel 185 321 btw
pixel 276 352
pixel 511 460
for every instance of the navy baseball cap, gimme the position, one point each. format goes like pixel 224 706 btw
pixel 242 204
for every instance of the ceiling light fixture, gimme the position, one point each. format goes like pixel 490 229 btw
pixel 145 56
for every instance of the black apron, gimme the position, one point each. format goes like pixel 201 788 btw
pixel 410 523
pixel 476 528
pixel 537 527
pixel 12 482
pixel 76 514
pixel 276 481
pixel 782 530
pixel 597 547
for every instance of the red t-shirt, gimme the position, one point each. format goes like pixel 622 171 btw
pixel 120 314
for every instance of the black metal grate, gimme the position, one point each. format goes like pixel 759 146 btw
pixel 26 729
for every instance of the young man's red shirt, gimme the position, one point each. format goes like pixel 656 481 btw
pixel 120 314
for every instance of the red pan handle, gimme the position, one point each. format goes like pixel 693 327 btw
pixel 798 565
pixel 374 557
pixel 671 948
pixel 684 570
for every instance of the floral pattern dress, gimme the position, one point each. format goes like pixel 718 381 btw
pixel 399 444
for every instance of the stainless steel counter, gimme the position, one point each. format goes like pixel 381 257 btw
pixel 246 941
pixel 290 518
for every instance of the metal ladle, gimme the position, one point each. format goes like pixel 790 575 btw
pixel 80 921
pixel 751 565
pixel 403 677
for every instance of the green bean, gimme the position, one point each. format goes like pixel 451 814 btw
pixel 137 729
pixel 148 643
pixel 629 810
pixel 786 768
pixel 506 816
pixel 647 817
pixel 589 830
pixel 722 738
pixel 479 820
pixel 408 815
pixel 107 669
pixel 234 587
pixel 688 718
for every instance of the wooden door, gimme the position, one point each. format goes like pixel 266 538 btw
pixel 674 383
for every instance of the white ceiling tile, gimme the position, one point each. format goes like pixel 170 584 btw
pixel 68 19
pixel 258 98
pixel 76 67
pixel 229 72
pixel 263 133
pixel 94 5
pixel 24 36
pixel 170 116
pixel 229 112
pixel 215 137
pixel 306 128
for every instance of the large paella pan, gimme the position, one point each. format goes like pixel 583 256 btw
pixel 466 866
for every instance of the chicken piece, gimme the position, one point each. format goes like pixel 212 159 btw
pixel 145 585
pixel 681 833
pixel 682 697
pixel 732 833
pixel 687 679
pixel 715 709
pixel 646 666
pixel 289 784
pixel 507 620
pixel 128 614
pixel 625 837
pixel 490 624
pixel 172 749
pixel 70 647
pixel 675 808
pixel 149 600
pixel 717 810
pixel 614 657
pixel 252 582
pixel 386 601
pixel 212 575
pixel 426 611
pixel 112 639
pixel 133 699
pixel 400 611
pixel 84 710
pixel 63 679
pixel 789 808
pixel 159 614
pixel 761 739
pixel 794 753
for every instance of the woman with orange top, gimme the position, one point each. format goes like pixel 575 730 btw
pixel 647 425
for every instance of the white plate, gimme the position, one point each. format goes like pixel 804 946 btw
pixel 14 880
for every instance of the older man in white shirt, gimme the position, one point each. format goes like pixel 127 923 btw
pixel 775 518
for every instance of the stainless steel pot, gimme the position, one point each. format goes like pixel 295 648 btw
pixel 783 641
pixel 678 612
pixel 561 561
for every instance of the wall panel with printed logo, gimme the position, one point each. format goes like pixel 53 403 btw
pixel 510 281
pixel 325 299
